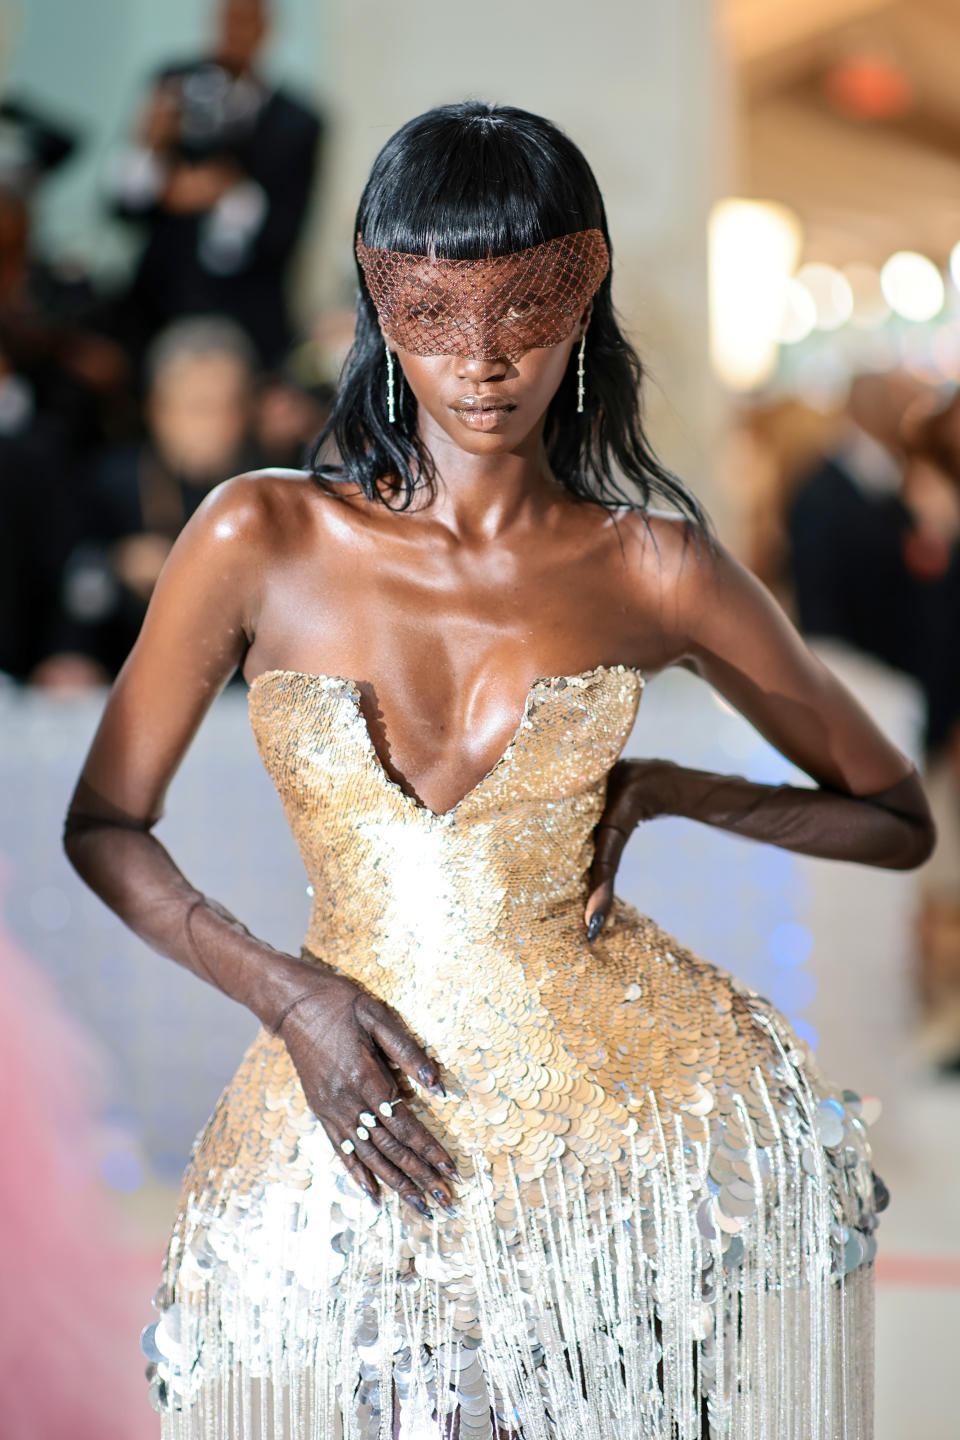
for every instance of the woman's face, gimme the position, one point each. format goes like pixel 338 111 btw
pixel 487 407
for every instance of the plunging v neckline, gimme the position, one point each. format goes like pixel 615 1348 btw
pixel 352 689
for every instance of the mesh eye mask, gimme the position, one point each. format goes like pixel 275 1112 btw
pixel 501 306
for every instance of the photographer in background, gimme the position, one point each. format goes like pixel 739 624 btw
pixel 220 177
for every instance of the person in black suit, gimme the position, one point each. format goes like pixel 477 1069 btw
pixel 220 178
pixel 867 566
pixel 847 527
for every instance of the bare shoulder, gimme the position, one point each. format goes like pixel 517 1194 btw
pixel 260 511
pixel 668 559
pixel 672 573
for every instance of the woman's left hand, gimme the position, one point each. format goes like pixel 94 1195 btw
pixel 637 790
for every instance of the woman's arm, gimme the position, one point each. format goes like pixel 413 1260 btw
pixel 194 636
pixel 196 632
pixel 724 625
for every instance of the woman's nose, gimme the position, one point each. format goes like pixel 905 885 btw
pixel 479 367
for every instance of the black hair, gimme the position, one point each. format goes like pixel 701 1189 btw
pixel 463 182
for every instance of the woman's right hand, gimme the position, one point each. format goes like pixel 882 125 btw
pixel 343 1042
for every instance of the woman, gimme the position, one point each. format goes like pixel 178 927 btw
pixel 612 1195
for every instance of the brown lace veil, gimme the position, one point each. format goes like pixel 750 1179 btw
pixel 500 306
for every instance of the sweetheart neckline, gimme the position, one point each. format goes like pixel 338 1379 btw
pixel 419 806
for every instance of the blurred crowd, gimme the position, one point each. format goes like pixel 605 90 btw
pixel 853 518
pixel 120 408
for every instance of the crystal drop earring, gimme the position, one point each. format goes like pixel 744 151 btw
pixel 580 384
pixel 391 408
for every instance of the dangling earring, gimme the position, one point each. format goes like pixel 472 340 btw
pixel 580 385
pixel 391 408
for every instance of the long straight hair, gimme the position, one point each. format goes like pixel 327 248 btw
pixel 464 182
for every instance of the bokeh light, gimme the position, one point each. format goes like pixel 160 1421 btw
pixel 799 313
pixel 912 285
pixel 790 944
pixel 753 249
pixel 830 292
pixel 955 265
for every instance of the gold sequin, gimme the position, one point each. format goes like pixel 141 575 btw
pixel 663 1199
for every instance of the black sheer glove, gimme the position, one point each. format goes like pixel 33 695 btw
pixel 125 864
pixel 347 1046
pixel 891 828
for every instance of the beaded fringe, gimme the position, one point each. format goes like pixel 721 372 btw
pixel 628 1312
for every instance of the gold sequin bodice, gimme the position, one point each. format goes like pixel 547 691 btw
pixel 470 923
pixel 403 895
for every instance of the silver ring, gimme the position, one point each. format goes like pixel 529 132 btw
pixel 386 1106
pixel 367 1119
pixel 347 1146
pixel 363 1133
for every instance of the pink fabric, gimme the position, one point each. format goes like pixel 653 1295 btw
pixel 73 1299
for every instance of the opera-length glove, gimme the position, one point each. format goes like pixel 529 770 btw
pixel 342 1039
pixel 891 828
pixel 126 865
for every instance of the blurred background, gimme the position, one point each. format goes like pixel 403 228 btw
pixel 177 188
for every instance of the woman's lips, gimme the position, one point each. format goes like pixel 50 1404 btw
pixel 478 415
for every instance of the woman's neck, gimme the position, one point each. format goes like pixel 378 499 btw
pixel 481 496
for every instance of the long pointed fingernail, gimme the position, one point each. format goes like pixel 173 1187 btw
pixel 593 927
pixel 420 1205
pixel 425 1076
pixel 450 1170
pixel 444 1202
pixel 438 1089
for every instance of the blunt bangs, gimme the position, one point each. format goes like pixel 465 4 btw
pixel 475 180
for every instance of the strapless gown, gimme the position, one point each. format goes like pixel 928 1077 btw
pixel 666 1225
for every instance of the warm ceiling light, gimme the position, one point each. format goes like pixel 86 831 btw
pixel 869 87
pixel 912 285
pixel 753 247
pixel 830 293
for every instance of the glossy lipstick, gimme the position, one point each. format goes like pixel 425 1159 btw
pixel 482 412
